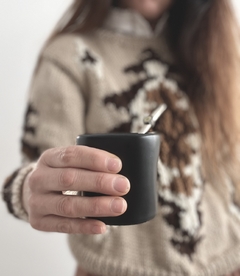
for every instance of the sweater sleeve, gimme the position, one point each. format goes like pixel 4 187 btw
pixel 54 117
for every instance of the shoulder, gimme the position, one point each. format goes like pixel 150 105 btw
pixel 67 52
pixel 71 49
pixel 63 48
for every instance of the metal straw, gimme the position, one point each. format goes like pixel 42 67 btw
pixel 150 120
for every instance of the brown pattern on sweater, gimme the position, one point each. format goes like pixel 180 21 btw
pixel 88 58
pixel 7 191
pixel 31 152
pixel 126 96
pixel 176 126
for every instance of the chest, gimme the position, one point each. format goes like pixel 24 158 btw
pixel 122 91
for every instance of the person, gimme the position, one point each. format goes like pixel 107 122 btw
pixel 106 66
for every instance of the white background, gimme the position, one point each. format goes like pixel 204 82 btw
pixel 24 25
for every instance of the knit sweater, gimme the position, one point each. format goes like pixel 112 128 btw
pixel 107 81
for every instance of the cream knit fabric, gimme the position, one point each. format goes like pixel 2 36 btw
pixel 107 82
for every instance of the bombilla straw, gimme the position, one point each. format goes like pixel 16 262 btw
pixel 150 120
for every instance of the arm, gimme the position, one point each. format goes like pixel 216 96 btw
pixel 55 117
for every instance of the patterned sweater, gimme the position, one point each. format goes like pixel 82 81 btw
pixel 107 81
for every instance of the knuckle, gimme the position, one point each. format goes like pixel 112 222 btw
pixel 66 155
pixel 33 179
pixel 64 206
pixel 95 206
pixel 64 227
pixel 67 178
pixel 35 223
pixel 100 181
pixel 32 203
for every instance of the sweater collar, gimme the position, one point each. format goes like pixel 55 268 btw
pixel 130 22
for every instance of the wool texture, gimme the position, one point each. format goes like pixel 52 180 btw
pixel 88 84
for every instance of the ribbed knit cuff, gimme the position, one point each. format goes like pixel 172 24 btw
pixel 12 192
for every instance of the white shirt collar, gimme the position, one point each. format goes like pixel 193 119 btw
pixel 132 23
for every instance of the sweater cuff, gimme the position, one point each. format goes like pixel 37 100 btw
pixel 12 192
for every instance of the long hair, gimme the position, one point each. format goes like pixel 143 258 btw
pixel 203 37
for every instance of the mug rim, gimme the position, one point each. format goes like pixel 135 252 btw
pixel 118 134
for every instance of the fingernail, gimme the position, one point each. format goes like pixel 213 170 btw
pixel 113 164
pixel 121 184
pixel 118 205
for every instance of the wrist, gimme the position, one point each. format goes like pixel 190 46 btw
pixel 13 192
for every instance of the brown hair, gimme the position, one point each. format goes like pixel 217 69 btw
pixel 202 35
pixel 205 39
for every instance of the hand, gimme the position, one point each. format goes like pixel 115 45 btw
pixel 236 273
pixel 76 168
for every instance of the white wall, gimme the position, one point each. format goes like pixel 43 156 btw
pixel 236 5
pixel 24 25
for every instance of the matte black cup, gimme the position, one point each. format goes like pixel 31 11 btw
pixel 139 155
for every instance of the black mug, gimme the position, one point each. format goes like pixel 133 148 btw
pixel 139 154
